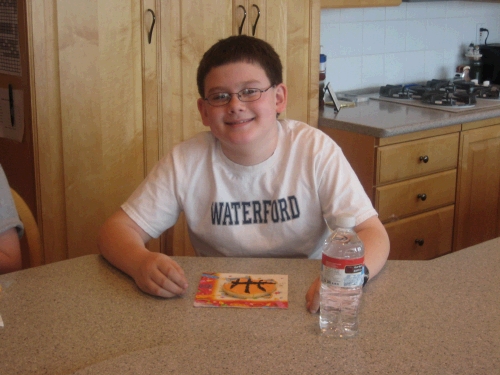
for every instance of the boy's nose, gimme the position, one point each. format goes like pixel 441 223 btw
pixel 235 102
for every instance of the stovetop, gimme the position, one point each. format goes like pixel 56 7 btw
pixel 453 96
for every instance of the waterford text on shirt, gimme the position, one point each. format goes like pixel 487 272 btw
pixel 255 212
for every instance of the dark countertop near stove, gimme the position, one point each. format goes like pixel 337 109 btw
pixel 385 119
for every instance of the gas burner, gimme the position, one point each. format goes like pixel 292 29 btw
pixel 418 90
pixel 482 92
pixel 465 86
pixel 439 84
pixel 486 92
pixel 449 98
pixel 395 91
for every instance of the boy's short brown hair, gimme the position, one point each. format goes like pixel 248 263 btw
pixel 241 48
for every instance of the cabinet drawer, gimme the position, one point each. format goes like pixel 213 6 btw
pixel 434 228
pixel 406 160
pixel 416 195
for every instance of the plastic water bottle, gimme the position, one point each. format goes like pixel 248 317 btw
pixel 341 280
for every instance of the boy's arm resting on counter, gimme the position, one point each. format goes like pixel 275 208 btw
pixel 10 251
pixel 376 242
pixel 122 242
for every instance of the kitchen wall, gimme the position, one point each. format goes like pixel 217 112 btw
pixel 371 47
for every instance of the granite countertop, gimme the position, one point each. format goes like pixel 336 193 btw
pixel 385 119
pixel 83 316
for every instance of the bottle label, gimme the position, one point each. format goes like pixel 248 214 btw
pixel 342 272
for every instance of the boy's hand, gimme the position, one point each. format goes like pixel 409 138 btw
pixel 159 275
pixel 312 296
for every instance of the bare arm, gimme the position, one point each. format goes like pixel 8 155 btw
pixel 376 242
pixel 122 242
pixel 10 251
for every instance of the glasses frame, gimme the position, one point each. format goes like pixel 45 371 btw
pixel 238 94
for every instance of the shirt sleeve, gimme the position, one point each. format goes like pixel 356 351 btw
pixel 154 205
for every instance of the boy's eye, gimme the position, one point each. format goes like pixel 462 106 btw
pixel 219 97
pixel 249 92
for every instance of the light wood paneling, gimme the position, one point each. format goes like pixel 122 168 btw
pixel 46 108
pixel 478 196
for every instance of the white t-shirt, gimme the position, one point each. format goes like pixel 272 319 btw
pixel 278 208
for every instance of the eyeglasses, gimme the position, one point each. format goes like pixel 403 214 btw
pixel 246 95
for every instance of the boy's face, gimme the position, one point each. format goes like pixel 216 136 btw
pixel 239 124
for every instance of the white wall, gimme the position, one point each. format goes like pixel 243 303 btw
pixel 414 42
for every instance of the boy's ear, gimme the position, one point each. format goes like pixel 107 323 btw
pixel 281 97
pixel 203 111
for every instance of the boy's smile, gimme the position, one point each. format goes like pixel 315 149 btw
pixel 246 129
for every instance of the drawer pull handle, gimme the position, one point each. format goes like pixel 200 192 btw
pixel 422 197
pixel 419 242
pixel 425 158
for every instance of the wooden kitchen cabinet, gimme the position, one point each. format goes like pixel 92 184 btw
pixel 411 180
pixel 108 101
pixel 477 216
pixel 461 181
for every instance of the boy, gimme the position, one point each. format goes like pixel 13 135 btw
pixel 252 186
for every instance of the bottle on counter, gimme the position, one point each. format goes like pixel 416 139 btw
pixel 322 77
pixel 474 55
pixel 342 278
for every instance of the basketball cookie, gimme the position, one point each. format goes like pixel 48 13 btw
pixel 246 287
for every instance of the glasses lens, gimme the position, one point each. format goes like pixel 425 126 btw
pixel 219 98
pixel 249 95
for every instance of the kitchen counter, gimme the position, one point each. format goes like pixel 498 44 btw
pixel 385 119
pixel 83 316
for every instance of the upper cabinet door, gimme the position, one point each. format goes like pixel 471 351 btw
pixel 292 28
pixel 186 30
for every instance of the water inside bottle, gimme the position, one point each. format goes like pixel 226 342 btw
pixel 339 311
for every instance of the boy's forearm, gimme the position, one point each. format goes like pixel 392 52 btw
pixel 120 245
pixel 376 242
pixel 10 251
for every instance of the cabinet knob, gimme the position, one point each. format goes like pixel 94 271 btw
pixel 422 197
pixel 424 158
pixel 419 241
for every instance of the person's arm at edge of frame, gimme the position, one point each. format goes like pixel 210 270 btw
pixel 376 242
pixel 122 242
pixel 10 251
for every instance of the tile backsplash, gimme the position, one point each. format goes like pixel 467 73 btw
pixel 414 42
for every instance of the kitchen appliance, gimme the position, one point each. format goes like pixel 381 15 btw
pixel 491 62
pixel 453 96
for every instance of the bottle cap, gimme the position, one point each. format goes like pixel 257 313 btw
pixel 345 221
